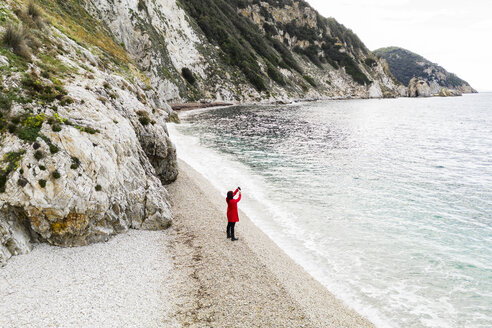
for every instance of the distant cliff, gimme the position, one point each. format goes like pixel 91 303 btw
pixel 423 77
pixel 242 50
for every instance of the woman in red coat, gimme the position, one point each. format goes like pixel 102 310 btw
pixel 232 216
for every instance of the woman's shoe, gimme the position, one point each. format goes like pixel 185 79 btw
pixel 234 239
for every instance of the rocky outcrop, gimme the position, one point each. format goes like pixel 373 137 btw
pixel 84 147
pixel 164 37
pixel 406 65
pixel 419 88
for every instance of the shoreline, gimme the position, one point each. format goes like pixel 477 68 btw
pixel 192 106
pixel 223 284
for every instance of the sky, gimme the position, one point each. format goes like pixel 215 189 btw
pixel 457 35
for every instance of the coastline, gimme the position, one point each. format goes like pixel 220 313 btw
pixel 251 282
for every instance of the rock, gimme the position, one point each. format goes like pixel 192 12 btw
pixel 4 61
pixel 418 88
pixel 14 236
pixel 111 154
pixel 375 91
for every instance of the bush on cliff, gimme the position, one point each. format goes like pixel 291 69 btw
pixel 188 75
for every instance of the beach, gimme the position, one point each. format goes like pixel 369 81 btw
pixel 247 283
pixel 187 276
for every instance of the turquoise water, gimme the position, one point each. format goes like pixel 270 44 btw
pixel 386 202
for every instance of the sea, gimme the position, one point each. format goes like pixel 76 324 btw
pixel 386 202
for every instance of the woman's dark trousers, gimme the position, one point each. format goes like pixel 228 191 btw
pixel 230 229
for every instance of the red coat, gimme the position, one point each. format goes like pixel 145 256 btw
pixel 232 208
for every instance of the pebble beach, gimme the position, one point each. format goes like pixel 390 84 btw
pixel 187 276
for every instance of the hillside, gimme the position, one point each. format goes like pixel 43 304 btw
pixel 242 50
pixel 406 65
pixel 84 93
pixel 84 148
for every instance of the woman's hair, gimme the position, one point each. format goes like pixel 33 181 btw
pixel 230 195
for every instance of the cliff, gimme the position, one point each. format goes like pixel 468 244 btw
pixel 242 51
pixel 423 77
pixel 84 145
pixel 85 87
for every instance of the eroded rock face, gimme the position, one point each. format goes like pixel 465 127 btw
pixel 419 88
pixel 95 168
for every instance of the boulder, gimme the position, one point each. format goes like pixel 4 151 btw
pixel 418 88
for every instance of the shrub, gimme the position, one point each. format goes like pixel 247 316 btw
pixel 141 5
pixel 275 75
pixel 33 11
pixel 12 128
pixel 56 128
pixel 370 62
pixel 188 75
pixel 75 163
pixel 15 38
pixel 55 174
pixel 40 90
pixel 54 149
pixel 144 120
pixel 38 155
pixel 5 103
pixel 309 80
pixel 42 167
pixel 98 187
pixel 22 182
pixel 42 183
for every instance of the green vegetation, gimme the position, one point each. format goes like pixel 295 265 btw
pixel 143 117
pixel 55 174
pixel 15 38
pixel 43 91
pixel 241 41
pixel 31 125
pixel 9 163
pixel 275 75
pixel 38 154
pixel 98 187
pixel 53 148
pixel 42 167
pixel 370 62
pixel 42 183
pixel 188 75
pixel 405 65
pixel 71 17
pixel 56 128
pixel 310 80
pixel 75 163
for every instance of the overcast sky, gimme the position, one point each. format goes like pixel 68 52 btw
pixel 454 34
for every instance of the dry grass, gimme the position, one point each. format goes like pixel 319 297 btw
pixel 15 38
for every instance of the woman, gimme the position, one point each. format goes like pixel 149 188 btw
pixel 232 216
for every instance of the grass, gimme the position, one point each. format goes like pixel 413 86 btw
pixel 72 18
pixel 34 11
pixel 10 162
pixel 41 90
pixel 31 126
pixel 15 38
